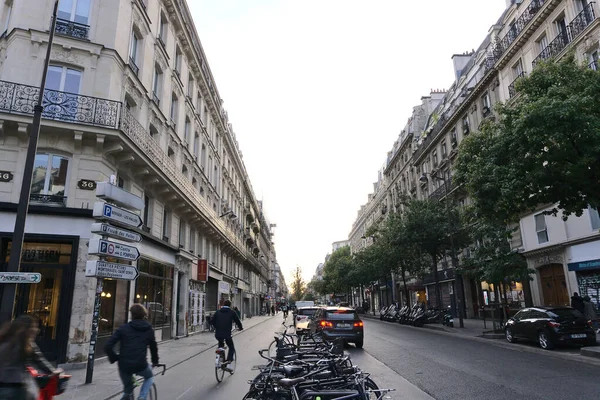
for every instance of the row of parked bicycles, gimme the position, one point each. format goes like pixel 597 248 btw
pixel 417 315
pixel 308 367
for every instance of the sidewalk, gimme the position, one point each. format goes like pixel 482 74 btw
pixel 106 382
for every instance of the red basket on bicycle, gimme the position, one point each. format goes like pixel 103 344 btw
pixel 50 385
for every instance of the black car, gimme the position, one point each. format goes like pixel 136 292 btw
pixel 550 326
pixel 338 322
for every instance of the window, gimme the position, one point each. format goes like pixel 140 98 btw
pixel 541 229
pixel 561 29
pixel 7 17
pixel 174 109
pixel 190 87
pixel 74 10
pixel 595 218
pixel 199 104
pixel 163 28
pixel 192 241
pixel 593 60
pixel 486 104
pixel 444 149
pixel 147 211
pixel 542 43
pixel 518 69
pixel 121 182
pixel 182 234
pixel 466 126
pixel 178 58
pixel 63 79
pixel 133 53
pixel 49 178
pixel 203 157
pixel 196 144
pixel 186 131
pixel 435 158
pixel 166 225
pixel 156 84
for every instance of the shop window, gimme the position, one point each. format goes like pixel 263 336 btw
pixel 50 179
pixel 113 306
pixel 595 218
pixel 541 229
pixel 154 289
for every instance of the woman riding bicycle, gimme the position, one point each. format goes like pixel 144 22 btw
pixel 223 321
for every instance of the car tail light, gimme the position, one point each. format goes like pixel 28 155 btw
pixel 298 318
pixel 326 324
pixel 359 323
pixel 590 324
pixel 553 324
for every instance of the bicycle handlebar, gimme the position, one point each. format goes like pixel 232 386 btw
pixel 164 367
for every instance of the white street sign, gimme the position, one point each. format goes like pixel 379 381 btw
pixel 103 269
pixel 105 229
pixel 20 277
pixel 121 197
pixel 117 215
pixel 112 249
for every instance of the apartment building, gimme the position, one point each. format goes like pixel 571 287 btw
pixel 128 93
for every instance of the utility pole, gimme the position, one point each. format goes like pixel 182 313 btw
pixel 14 263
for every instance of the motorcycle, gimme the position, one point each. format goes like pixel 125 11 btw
pixel 448 319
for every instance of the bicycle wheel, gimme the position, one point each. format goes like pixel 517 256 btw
pixel 219 371
pixel 231 366
pixel 153 394
pixel 273 349
pixel 370 385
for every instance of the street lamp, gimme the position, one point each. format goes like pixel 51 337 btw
pixel 230 213
pixel 458 276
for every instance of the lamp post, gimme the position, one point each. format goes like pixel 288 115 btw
pixel 9 291
pixel 453 256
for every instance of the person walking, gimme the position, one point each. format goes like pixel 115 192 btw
pixel 273 310
pixel 589 311
pixel 17 351
pixel 134 337
pixel 237 311
pixel 577 302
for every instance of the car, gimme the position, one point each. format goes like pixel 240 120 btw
pixel 338 322
pixel 302 318
pixel 550 326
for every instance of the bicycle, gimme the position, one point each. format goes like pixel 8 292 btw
pixel 153 393
pixel 221 366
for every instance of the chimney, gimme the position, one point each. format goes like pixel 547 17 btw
pixel 460 62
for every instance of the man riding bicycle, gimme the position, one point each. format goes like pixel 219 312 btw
pixel 223 322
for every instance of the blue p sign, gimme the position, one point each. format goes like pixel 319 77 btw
pixel 107 211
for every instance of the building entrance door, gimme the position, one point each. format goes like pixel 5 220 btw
pixel 554 285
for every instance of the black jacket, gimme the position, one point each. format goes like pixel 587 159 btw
pixel 577 303
pixel 135 337
pixel 223 322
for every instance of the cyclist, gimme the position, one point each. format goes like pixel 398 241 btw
pixel 135 337
pixel 284 308
pixel 223 321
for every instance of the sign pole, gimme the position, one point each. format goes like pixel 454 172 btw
pixel 94 336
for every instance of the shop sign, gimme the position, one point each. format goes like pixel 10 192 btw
pixel 584 265
pixel 202 270
pixel 223 287
pixel 40 256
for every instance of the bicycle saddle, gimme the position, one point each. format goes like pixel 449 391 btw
pixel 289 382
pixel 292 370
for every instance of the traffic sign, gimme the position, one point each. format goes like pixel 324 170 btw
pixel 106 229
pixel 121 197
pixel 20 277
pixel 105 269
pixel 117 215
pixel 112 249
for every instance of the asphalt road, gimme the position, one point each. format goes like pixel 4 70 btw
pixel 195 378
pixel 450 367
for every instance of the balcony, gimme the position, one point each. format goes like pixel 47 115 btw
pixel 511 88
pixel 59 106
pixel 133 66
pixel 574 29
pixel 49 200
pixel 73 29
pixel 441 191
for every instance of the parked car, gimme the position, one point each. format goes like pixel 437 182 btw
pixel 302 318
pixel 550 326
pixel 338 322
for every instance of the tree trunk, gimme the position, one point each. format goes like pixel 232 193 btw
pixel 505 307
pixel 438 294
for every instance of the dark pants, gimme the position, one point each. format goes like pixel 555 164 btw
pixel 229 342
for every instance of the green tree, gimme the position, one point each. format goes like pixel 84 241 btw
pixel 336 270
pixel 298 285
pixel 544 147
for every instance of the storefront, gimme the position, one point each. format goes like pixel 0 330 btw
pixel 154 289
pixel 224 292
pixel 50 301
pixel 585 263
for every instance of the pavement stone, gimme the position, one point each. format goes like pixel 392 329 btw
pixel 106 383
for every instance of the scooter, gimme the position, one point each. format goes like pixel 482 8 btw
pixel 448 319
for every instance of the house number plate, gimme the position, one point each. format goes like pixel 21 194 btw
pixel 6 176
pixel 85 184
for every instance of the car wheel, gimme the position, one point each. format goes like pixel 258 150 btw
pixel 359 344
pixel 509 336
pixel 545 341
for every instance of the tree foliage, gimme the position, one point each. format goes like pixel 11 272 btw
pixel 298 285
pixel 336 270
pixel 544 147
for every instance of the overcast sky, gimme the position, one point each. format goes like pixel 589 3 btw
pixel 318 91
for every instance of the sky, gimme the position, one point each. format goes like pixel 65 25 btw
pixel 319 90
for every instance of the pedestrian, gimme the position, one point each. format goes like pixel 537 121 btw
pixel 589 310
pixel 17 351
pixel 237 311
pixel 577 302
pixel 273 310
pixel 134 337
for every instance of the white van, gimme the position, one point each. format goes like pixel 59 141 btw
pixel 305 304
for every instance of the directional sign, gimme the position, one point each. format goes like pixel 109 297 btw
pixel 20 277
pixel 105 269
pixel 105 229
pixel 112 249
pixel 117 215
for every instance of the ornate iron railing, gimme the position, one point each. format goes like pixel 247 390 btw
pixel 555 47
pixel 442 190
pixel 49 199
pixel 73 29
pixel 155 98
pixel 581 21
pixel 595 65
pixel 133 65
pixel 501 45
pixel 62 106
pixel 511 88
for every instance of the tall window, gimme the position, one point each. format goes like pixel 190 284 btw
pixel 134 52
pixel 63 79
pixel 190 87
pixel 7 17
pixel 466 125
pixel 593 59
pixel 166 224
pixel 518 69
pixel 181 234
pixel 178 58
pixel 74 10
pixel 203 157
pixel 186 131
pixel 49 176
pixel 540 228
pixel 486 104
pixel 157 83
pixel 192 246
pixel 174 109
pixel 542 43
pixel 147 211
pixel 196 144
pixel 199 104
pixel 595 218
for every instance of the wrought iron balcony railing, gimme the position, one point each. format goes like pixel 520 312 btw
pixel 511 88
pixel 73 29
pixel 49 199
pixel 555 47
pixel 61 106
pixel 155 98
pixel 133 66
pixel 442 190
pixel 595 65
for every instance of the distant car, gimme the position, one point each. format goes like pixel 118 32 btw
pixel 338 322
pixel 550 326
pixel 302 318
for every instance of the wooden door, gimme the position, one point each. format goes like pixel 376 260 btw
pixel 554 285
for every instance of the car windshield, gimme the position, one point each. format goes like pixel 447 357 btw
pixel 308 311
pixel 342 314
pixel 565 313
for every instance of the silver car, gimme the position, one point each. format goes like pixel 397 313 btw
pixel 302 318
